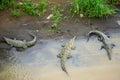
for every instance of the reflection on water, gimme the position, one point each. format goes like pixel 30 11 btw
pixel 40 61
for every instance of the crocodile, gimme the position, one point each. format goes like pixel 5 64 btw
pixel 107 43
pixel 66 53
pixel 19 43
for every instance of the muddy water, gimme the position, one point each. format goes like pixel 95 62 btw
pixel 39 62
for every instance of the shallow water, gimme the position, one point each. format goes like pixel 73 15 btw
pixel 39 62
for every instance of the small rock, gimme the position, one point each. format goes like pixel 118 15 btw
pixel 61 40
pixel 81 15
pixel 25 24
pixel 20 3
pixel 118 22
pixel 37 30
pixel 49 16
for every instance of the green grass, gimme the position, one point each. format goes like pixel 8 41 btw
pixel 87 8
pixel 26 6
pixel 112 2
pixel 15 13
pixel 91 8
pixel 4 3
pixel 57 16
pixel 8 4
pixel 34 8
pixel 49 30
pixel 29 8
pixel 42 7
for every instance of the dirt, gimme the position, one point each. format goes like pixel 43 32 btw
pixel 32 64
pixel 93 73
pixel 20 27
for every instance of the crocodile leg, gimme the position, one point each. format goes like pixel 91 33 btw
pixel 73 48
pixel 24 46
pixel 20 49
pixel 24 40
pixel 63 45
pixel 58 56
pixel 113 45
pixel 100 39
pixel 102 47
pixel 108 36
pixel 14 38
pixel 69 57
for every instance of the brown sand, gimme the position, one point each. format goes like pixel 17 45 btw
pixel 91 73
pixel 81 73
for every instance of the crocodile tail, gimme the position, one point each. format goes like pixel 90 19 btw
pixel 88 38
pixel 9 41
pixel 109 55
pixel 5 38
pixel 31 43
pixel 109 51
pixel 63 67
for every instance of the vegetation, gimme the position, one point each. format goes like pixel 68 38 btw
pixel 34 8
pixel 113 2
pixel 29 8
pixel 91 8
pixel 3 3
pixel 84 8
pixel 57 16
pixel 42 7
pixel 26 6
pixel 15 13
pixel 49 30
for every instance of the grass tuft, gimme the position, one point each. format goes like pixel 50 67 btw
pixel 57 16
pixel 15 13
pixel 91 8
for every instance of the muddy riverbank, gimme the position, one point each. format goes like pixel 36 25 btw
pixel 39 62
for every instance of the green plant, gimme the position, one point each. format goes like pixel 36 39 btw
pixel 42 7
pixel 8 4
pixel 49 30
pixel 57 16
pixel 29 8
pixel 26 6
pixel 1 7
pixel 91 8
pixel 34 8
pixel 15 13
pixel 4 3
pixel 111 2
pixel 14 5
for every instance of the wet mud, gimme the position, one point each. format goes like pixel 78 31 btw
pixel 41 62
